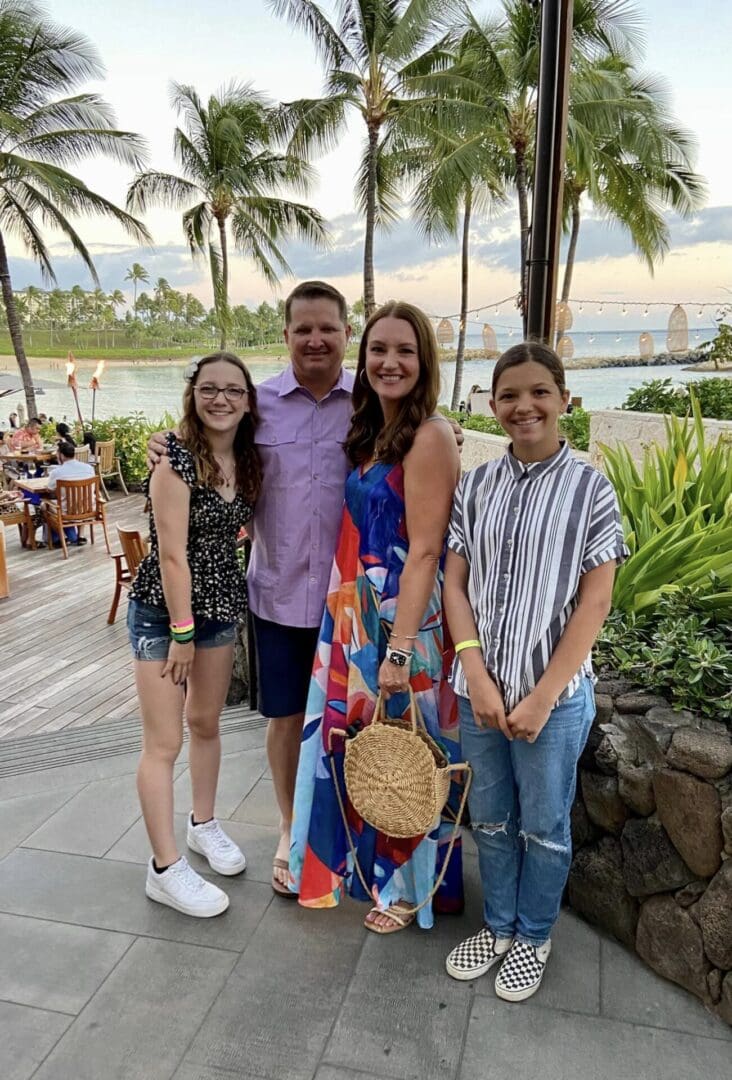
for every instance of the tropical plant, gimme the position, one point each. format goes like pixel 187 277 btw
pixel 677 517
pixel 457 177
pixel 574 426
pixel 628 155
pixel 136 274
pixel 382 61
pixel 230 174
pixel 720 350
pixel 713 395
pixel 45 125
pixel 679 649
pixel 499 67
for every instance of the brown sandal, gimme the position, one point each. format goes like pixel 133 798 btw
pixel 400 915
pixel 277 886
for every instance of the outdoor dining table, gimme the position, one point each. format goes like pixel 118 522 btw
pixel 36 486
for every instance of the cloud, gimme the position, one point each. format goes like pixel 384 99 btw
pixel 171 261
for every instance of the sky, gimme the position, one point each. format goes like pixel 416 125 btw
pixel 145 44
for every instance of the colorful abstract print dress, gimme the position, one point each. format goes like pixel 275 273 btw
pixel 360 607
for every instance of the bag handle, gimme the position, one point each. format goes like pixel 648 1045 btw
pixel 463 767
pixel 415 717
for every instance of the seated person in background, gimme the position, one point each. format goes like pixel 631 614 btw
pixel 4 445
pixel 13 420
pixel 28 437
pixel 69 469
pixel 63 432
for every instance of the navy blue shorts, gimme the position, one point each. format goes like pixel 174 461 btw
pixel 149 630
pixel 285 656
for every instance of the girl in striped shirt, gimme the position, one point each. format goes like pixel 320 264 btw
pixel 532 548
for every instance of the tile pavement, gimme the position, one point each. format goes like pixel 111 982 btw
pixel 98 983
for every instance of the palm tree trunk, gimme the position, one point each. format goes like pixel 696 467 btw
pixel 369 290
pixel 523 201
pixel 224 317
pixel 459 356
pixel 571 252
pixel 15 333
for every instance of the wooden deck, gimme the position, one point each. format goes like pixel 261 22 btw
pixel 61 665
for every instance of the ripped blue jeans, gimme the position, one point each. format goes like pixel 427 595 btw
pixel 520 801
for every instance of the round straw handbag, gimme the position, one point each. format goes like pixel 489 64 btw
pixel 397 780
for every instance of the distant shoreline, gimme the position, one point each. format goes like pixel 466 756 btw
pixel 693 360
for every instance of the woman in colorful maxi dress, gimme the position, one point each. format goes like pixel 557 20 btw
pixel 384 598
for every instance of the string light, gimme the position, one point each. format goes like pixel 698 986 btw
pixel 624 311
pixel 592 338
pixel 645 313
pixel 599 310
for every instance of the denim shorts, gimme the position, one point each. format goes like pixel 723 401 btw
pixel 149 631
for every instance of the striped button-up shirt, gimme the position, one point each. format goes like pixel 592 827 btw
pixel 298 514
pixel 529 533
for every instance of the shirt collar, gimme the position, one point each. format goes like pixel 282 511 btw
pixel 538 468
pixel 288 382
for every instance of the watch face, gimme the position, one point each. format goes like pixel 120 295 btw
pixel 397 658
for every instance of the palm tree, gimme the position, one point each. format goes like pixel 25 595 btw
pixel 135 274
pixel 45 125
pixel 501 61
pixel 230 172
pixel 382 61
pixel 629 156
pixel 457 176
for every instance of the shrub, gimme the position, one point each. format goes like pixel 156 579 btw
pixel 680 650
pixel 677 517
pixel 662 396
pixel 575 426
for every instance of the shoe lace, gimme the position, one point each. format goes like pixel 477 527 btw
pixel 187 876
pixel 217 836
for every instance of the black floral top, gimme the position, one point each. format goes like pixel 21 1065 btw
pixel 218 586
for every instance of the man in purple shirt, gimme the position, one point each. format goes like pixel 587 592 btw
pixel 304 416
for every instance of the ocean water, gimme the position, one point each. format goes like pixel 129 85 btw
pixel 156 388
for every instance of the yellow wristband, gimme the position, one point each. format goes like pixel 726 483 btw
pixel 472 644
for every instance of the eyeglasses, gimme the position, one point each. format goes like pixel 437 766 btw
pixel 233 394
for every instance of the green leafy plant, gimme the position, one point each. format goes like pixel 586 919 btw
pixel 575 426
pixel 680 650
pixel 677 517
pixel 720 350
pixel 714 396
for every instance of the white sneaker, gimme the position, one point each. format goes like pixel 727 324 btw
pixel 210 840
pixel 180 887
pixel 522 970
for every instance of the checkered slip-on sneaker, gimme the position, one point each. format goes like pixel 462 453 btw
pixel 522 970
pixel 476 955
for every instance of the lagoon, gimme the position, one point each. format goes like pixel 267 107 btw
pixel 156 388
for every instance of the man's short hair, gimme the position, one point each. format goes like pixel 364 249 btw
pixel 316 290
pixel 66 449
pixel 34 420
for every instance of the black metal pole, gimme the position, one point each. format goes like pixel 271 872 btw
pixel 551 135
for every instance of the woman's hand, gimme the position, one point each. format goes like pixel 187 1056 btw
pixel 529 717
pixel 180 659
pixel 393 679
pixel 487 703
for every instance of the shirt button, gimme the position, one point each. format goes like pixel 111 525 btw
pixel 515 509
pixel 506 577
pixel 312 577
pixel 509 543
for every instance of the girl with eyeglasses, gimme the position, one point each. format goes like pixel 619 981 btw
pixel 185 602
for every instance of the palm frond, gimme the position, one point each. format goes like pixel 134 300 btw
pixel 308 17
pixel 160 188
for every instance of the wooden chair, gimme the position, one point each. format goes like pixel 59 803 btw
pixel 126 564
pixel 108 465
pixel 78 502
pixel 82 454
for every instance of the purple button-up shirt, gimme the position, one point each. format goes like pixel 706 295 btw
pixel 298 513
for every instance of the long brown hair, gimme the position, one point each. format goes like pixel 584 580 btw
pixel 369 436
pixel 193 436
